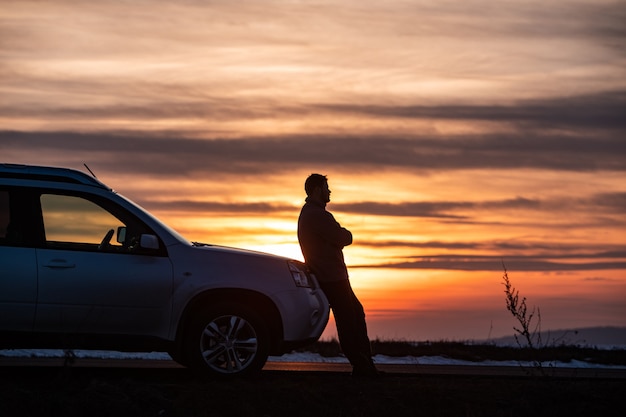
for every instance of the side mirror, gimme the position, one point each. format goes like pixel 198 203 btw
pixel 121 234
pixel 149 242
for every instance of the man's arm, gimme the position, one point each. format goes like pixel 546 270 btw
pixel 334 233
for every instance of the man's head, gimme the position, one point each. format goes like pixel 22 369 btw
pixel 316 187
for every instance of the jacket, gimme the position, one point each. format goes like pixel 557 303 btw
pixel 322 240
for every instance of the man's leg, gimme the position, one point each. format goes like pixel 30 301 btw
pixel 351 325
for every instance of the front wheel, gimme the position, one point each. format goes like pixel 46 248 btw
pixel 228 340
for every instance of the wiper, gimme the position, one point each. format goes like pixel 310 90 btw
pixel 200 244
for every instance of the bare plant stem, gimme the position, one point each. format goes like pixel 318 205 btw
pixel 519 309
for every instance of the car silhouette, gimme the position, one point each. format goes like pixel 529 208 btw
pixel 83 267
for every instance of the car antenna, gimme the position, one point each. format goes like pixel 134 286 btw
pixel 90 171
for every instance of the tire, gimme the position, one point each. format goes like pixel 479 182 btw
pixel 227 340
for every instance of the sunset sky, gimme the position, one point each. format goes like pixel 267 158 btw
pixel 455 135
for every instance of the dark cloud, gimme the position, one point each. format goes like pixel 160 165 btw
pixel 610 201
pixel 546 248
pixel 590 139
pixel 213 206
pixel 600 21
pixel 424 245
pixel 602 111
pixel 180 156
pixel 205 107
pixel 599 111
pixel 603 203
pixel 599 279
pixel 460 211
pixel 512 263
pixel 425 209
pixel 522 255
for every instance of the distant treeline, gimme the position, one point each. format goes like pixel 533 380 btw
pixel 480 352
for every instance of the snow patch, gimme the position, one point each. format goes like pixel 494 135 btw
pixel 306 357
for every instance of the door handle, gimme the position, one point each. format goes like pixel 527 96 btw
pixel 59 264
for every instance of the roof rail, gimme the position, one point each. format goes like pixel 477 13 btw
pixel 54 174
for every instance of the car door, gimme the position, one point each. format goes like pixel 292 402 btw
pixel 90 286
pixel 18 267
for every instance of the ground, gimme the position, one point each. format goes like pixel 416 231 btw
pixel 68 392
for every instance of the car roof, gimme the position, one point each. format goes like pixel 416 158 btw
pixel 52 174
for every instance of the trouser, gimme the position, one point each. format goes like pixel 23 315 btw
pixel 350 320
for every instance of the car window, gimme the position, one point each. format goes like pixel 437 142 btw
pixel 73 220
pixel 18 221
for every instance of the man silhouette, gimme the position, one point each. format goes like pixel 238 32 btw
pixel 322 240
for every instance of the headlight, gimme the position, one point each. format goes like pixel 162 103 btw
pixel 300 276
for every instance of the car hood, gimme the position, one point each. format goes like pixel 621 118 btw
pixel 232 250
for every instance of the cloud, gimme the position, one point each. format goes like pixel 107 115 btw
pixel 602 203
pixel 520 256
pixel 523 255
pixel 154 154
pixel 441 209
pixel 419 209
pixel 599 279
pixel 494 263
pixel 547 249
pixel 615 202
pixel 216 207
pixel 596 112
pixel 592 111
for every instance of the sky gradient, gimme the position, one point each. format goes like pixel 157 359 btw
pixel 456 137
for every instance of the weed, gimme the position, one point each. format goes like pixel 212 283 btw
pixel 529 334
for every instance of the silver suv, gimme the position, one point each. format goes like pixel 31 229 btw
pixel 83 267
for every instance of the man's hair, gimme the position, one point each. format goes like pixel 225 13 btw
pixel 314 181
